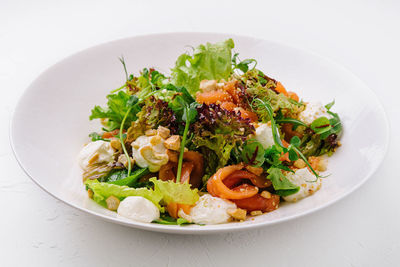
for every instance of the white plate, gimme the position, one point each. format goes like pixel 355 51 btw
pixel 50 123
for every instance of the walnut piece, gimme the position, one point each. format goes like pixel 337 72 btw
pixel 173 143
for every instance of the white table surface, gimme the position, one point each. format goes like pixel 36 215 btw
pixel 360 230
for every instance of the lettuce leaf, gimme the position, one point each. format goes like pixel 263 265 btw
pixel 115 111
pixel 208 62
pixel 101 191
pixel 175 192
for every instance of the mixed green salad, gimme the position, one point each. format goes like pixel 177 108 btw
pixel 215 141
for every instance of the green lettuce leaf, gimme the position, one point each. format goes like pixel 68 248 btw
pixel 117 106
pixel 101 191
pixel 281 184
pixel 208 62
pixel 174 192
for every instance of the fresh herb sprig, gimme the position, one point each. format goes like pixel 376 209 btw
pixel 130 104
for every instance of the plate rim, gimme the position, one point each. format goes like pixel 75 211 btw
pixel 207 229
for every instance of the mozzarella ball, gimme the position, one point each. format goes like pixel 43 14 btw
pixel 138 209
pixel 211 210
pixel 95 152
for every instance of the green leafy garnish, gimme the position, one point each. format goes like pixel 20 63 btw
pixel 208 62
pixel 129 104
pixel 115 112
pixel 121 177
pixel 96 137
pixel 321 125
pixel 244 65
pixel 281 184
pixel 253 153
pixel 175 192
pixel 168 220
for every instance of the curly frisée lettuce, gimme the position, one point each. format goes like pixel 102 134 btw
pixel 175 192
pixel 208 62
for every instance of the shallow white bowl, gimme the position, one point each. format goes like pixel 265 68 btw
pixel 50 123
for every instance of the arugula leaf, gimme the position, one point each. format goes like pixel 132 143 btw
pixel 253 153
pixel 117 107
pixel 291 121
pixel 120 177
pixel 208 62
pixel 281 184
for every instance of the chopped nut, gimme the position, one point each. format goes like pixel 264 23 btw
pixel 172 155
pixel 90 193
pixel 112 203
pixel 238 214
pixel 150 132
pixel 163 132
pixel 266 194
pixel 256 213
pixel 116 144
pixel 155 140
pixel 173 143
pixel 122 159
pixel 255 170
pixel 94 158
pixel 300 164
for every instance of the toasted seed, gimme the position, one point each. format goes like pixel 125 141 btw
pixel 173 143
pixel 164 132
pixel 116 144
pixel 150 132
pixel 266 194
pixel 238 214
pixel 255 170
pixel 112 203
pixel 122 159
pixel 256 212
pixel 300 164
pixel 94 158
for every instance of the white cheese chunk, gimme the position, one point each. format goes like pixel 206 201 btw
pixel 138 209
pixel 313 111
pixel 305 180
pixel 264 135
pixel 210 210
pixel 149 151
pixel 95 152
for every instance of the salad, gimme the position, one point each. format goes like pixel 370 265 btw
pixel 215 141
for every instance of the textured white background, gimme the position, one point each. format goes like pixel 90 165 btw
pixel 361 230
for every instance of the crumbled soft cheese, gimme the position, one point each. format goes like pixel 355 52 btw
pixel 304 179
pixel 138 209
pixel 149 151
pixel 211 210
pixel 208 85
pixel 264 135
pixel 95 152
pixel 313 110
